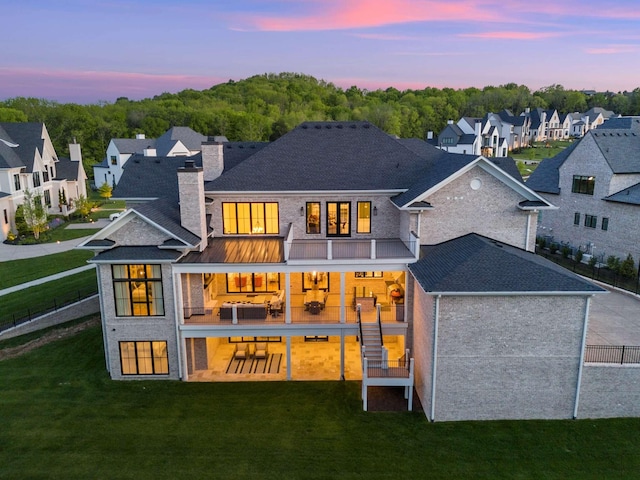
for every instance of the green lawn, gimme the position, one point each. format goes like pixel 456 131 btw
pixel 62 418
pixel 42 297
pixel 541 150
pixel 15 272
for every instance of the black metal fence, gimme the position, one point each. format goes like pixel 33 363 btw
pixel 36 309
pixel 597 272
pixel 620 354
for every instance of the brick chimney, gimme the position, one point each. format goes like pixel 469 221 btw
pixel 192 208
pixel 212 160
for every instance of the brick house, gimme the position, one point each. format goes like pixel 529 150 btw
pixel 338 252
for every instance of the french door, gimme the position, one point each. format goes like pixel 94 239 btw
pixel 338 219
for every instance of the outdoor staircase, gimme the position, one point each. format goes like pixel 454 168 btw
pixel 371 342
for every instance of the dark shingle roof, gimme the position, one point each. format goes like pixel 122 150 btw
pixel 546 177
pixel 620 149
pixel 166 213
pixel 630 195
pixel 626 123
pixel 318 156
pixel 28 136
pixel 477 264
pixel 66 168
pixel 137 254
pixel 151 177
pixel 188 137
pixel 134 145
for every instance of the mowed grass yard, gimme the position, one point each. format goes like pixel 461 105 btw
pixel 62 418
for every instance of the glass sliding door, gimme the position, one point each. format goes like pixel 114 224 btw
pixel 338 219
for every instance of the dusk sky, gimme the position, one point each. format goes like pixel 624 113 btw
pixel 85 51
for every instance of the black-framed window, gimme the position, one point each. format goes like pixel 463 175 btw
pixel 53 173
pixel 144 358
pixel 138 290
pixel 448 141
pixel 338 219
pixel 248 282
pixel 576 218
pixel 6 216
pixel 315 280
pixel 45 175
pixel 583 184
pixel 605 223
pixel 47 198
pixel 313 217
pixel 250 218
pixel 36 179
pixel 364 217
pixel 16 182
pixel 590 221
pixel 114 160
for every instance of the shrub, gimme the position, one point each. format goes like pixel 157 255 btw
pixel 553 248
pixel 566 251
pixel 593 261
pixel 613 263
pixel 579 255
pixel 542 242
pixel 627 267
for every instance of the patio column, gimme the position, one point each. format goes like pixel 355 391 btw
pixel 287 290
pixel 342 355
pixel 343 289
pixel 288 358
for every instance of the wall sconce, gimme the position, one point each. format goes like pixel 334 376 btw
pixel 302 211
pixel 375 211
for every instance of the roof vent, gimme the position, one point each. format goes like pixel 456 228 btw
pixel 318 127
pixel 304 127
pixel 136 160
pixel 339 125
pixel 352 126
pixel 157 160
pixel 240 146
pixel 366 125
pixel 327 126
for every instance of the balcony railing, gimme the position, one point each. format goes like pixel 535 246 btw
pixel 343 249
pixel 299 315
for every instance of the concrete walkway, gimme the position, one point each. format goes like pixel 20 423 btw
pixel 42 280
pixel 614 318
pixel 16 252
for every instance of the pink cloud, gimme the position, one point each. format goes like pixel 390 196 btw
pixel 613 49
pixel 340 14
pixel 511 35
pixel 92 86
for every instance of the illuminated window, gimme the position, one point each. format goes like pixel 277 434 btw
pixel 582 184
pixel 144 358
pixel 313 217
pixel 250 218
pixel 138 290
pixel 364 217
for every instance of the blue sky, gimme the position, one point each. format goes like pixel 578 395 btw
pixel 88 51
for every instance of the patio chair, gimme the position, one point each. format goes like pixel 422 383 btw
pixel 315 307
pixel 262 350
pixel 242 351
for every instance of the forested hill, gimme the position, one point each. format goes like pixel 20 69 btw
pixel 264 107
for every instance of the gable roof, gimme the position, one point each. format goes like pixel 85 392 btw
pixel 28 136
pixel 628 123
pixel 474 264
pixel 188 137
pixel 546 177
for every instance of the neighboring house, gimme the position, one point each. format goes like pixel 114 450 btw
pixel 175 142
pixel 340 252
pixel 596 185
pixel 555 128
pixel 463 137
pixel 29 161
pixel 538 123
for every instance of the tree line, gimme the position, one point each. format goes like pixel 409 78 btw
pixel 264 107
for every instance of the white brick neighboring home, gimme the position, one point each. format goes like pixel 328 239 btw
pixel 596 185
pixel 29 161
pixel 175 142
pixel 339 252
